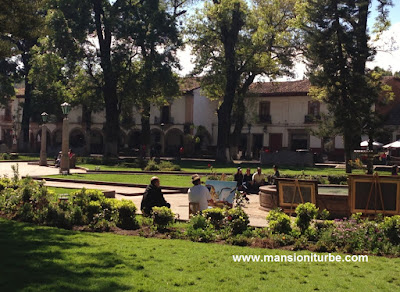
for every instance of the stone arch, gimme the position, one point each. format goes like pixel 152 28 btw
pixel 173 140
pixel 96 141
pixel 204 137
pixel 135 139
pixel 77 139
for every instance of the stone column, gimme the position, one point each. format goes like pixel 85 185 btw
pixel 43 145
pixel 64 165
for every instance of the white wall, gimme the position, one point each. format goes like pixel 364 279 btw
pixel 204 113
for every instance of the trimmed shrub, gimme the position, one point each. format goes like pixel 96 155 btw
pixel 126 215
pixel 279 222
pixel 305 213
pixel 162 217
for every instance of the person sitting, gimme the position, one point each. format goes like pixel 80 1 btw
pixel 153 197
pixel 199 193
pixel 276 174
pixel 258 180
pixel 58 160
pixel 247 180
pixel 238 178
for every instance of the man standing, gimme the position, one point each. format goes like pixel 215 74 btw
pixel 153 197
pixel 199 193
pixel 258 179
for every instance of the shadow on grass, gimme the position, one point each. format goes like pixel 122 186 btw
pixel 48 259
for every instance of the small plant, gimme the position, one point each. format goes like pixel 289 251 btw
pixel 237 220
pixel 305 214
pixel 279 222
pixel 215 216
pixel 391 228
pixel 162 217
pixel 198 222
pixel 323 215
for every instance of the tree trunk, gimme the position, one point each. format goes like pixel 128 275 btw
pixel 111 127
pixel 87 122
pixel 229 38
pixel 26 109
pixel 145 135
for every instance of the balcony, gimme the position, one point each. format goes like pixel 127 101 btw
pixel 311 119
pixel 264 119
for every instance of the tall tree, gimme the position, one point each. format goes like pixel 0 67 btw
pixel 117 39
pixel 233 44
pixel 337 50
pixel 21 24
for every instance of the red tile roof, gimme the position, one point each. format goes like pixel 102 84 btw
pixel 286 88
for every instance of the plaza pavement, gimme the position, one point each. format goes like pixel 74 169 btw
pixel 179 202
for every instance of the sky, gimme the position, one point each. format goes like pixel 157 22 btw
pixel 387 57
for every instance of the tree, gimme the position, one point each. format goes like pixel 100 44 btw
pixel 132 37
pixel 337 49
pixel 22 23
pixel 233 44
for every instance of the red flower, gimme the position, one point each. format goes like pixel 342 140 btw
pixel 209 165
pixel 230 218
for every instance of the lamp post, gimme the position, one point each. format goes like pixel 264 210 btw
pixel 162 139
pixel 43 141
pixel 64 164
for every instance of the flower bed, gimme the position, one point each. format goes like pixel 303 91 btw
pixel 29 201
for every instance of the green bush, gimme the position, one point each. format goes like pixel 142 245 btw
pixel 279 222
pixel 337 179
pixel 323 215
pixel 152 165
pixel 237 220
pixel 391 228
pixel 215 216
pixel 305 213
pixel 198 222
pixel 162 217
pixel 93 208
pixel 126 215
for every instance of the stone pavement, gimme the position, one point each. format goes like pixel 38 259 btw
pixel 26 169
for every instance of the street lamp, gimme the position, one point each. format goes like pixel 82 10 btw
pixel 64 164
pixel 162 139
pixel 43 152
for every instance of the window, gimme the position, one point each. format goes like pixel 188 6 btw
pixel 165 114
pixel 313 108
pixel 264 112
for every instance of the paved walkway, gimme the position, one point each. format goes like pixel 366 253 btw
pixel 26 169
pixel 179 202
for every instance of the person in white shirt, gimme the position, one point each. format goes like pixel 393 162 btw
pixel 199 193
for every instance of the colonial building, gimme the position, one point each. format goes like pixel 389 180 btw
pixel 278 116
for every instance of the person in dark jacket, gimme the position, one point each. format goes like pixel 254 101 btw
pixel 153 197
pixel 239 178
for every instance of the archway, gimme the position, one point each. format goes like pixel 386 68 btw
pixel 173 141
pixel 77 139
pixel 135 140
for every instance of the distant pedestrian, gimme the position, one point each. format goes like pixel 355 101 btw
pixel 395 170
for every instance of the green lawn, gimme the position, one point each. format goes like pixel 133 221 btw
pixel 36 258
pixel 165 179
pixel 62 190
pixel 202 167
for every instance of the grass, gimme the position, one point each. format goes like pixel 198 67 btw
pixel 59 191
pixel 37 258
pixel 23 157
pixel 165 179
pixel 202 167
